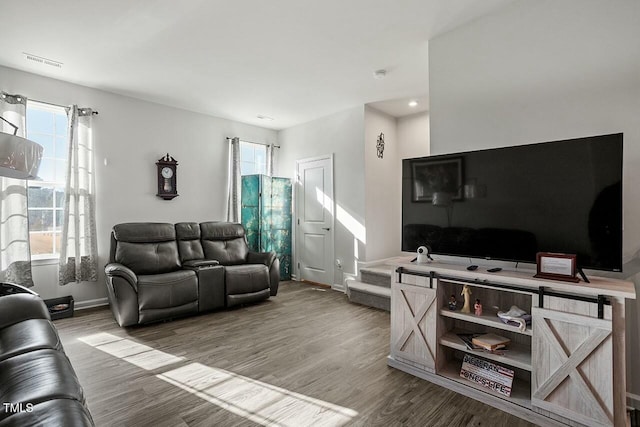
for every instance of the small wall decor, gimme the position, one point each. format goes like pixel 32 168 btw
pixel 380 145
pixel 167 184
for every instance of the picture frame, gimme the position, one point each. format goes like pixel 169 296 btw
pixel 555 266
pixel 436 175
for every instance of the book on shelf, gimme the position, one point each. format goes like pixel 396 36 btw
pixel 487 374
pixel 467 339
pixel 490 342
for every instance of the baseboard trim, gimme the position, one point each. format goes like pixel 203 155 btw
pixel 98 302
pixel 339 288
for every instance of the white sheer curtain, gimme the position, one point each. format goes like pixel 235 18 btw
pixel 235 179
pixel 79 251
pixel 270 151
pixel 233 204
pixel 15 254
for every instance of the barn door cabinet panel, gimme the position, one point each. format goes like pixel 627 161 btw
pixel 568 365
pixel 574 363
pixel 414 311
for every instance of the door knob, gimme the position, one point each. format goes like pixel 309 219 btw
pixel 326 228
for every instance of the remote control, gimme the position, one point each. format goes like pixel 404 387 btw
pixel 494 270
pixel 472 267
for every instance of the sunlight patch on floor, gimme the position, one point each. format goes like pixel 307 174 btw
pixel 135 353
pixel 257 401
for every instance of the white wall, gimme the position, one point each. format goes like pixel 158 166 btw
pixel 367 190
pixel 543 71
pixel 133 135
pixel 413 136
pixel 340 134
pixel 413 141
pixel 383 198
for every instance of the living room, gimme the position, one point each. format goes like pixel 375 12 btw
pixel 514 72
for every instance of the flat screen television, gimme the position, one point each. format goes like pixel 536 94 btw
pixel 510 203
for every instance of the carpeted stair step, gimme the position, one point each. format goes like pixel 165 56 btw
pixel 378 276
pixel 369 295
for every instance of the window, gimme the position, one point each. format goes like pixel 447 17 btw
pixel 253 158
pixel 48 126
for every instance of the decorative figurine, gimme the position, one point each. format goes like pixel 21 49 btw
pixel 478 308
pixel 466 293
pixel 453 304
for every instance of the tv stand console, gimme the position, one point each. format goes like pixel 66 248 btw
pixel 568 364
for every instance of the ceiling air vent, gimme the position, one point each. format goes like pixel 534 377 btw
pixel 41 60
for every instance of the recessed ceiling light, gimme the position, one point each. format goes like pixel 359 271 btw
pixel 413 103
pixel 266 118
pixel 380 74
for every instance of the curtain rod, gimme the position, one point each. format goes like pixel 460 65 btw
pixel 54 105
pixel 259 143
pixel 41 102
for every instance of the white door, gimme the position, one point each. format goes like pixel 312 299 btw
pixel 314 219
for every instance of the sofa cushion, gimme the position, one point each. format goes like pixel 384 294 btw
pixel 146 248
pixel 144 232
pixel 167 290
pixel 241 279
pixel 164 296
pixel 189 246
pixel 57 412
pixel 29 335
pixel 148 258
pixel 224 242
pixel 37 376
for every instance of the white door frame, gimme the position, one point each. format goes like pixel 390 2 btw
pixel 296 257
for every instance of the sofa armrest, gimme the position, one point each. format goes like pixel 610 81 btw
pixel 122 290
pixel 20 307
pixel 265 258
pixel 119 270
pixel 7 288
pixel 194 264
pixel 273 264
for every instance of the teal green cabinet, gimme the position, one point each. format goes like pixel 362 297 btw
pixel 266 217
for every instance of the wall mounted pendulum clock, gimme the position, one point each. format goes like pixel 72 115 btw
pixel 167 166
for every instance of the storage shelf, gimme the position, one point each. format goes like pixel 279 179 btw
pixel 517 355
pixel 487 319
pixel 520 390
pixel 570 305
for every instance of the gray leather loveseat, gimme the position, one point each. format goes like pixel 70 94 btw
pixel 38 386
pixel 158 271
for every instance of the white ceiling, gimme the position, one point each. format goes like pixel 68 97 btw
pixel 292 60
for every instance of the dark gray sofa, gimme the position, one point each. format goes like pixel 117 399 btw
pixel 38 386
pixel 160 271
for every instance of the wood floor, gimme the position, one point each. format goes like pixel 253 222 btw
pixel 305 357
